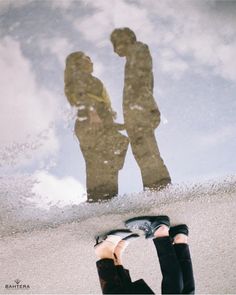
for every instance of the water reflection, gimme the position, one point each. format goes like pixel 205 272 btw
pixel 141 114
pixel 102 146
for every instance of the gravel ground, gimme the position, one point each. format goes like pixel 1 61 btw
pixel 61 260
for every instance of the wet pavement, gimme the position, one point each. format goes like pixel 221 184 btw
pixel 61 259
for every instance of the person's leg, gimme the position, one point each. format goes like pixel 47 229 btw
pixel 110 280
pixel 137 287
pixel 119 250
pixel 101 181
pixel 146 152
pixel 183 255
pixel 101 176
pixel 123 274
pixel 157 227
pixel 118 253
pixel 172 281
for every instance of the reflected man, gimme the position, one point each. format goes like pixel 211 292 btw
pixel 141 114
pixel 102 146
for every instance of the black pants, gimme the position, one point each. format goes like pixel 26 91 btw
pixel 116 279
pixel 176 268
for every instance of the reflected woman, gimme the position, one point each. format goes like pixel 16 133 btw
pixel 102 146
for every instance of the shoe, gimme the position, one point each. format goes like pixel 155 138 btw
pixel 178 229
pixel 131 237
pixel 149 224
pixel 160 185
pixel 122 233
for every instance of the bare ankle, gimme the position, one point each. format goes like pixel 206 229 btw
pixel 105 250
pixel 162 231
pixel 181 239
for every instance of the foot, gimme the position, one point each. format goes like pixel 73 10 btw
pixel 179 234
pixel 106 248
pixel 162 231
pixel 181 239
pixel 118 252
pixel 121 246
pixel 161 184
pixel 149 224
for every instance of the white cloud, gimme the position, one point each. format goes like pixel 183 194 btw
pixel 226 55
pixel 53 191
pixel 57 46
pixel 62 4
pixel 217 137
pixel 98 67
pixel 61 48
pixel 13 3
pixel 201 31
pixel 97 27
pixel 170 63
pixel 27 110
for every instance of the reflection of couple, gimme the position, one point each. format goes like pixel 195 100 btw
pixel 103 147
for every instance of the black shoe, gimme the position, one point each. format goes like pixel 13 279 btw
pixel 123 233
pixel 131 237
pixel 149 224
pixel 178 229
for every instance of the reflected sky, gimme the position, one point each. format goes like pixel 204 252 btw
pixel 193 45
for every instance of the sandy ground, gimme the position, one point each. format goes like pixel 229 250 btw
pixel 61 260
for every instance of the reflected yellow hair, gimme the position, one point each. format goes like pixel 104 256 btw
pixel 74 60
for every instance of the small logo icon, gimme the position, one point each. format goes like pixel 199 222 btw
pixel 17 281
pixel 17 285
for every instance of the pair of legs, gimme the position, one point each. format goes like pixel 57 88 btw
pixel 104 160
pixel 174 258
pixel 146 152
pixel 114 278
pixel 104 151
pixel 175 262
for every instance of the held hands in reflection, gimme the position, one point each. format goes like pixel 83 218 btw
pixel 141 118
pixel 94 119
